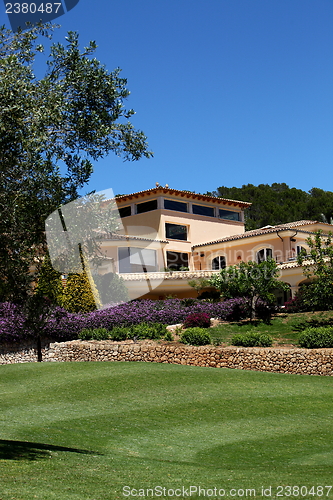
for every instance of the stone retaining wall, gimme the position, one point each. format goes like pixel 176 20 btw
pixel 302 361
pixel 23 352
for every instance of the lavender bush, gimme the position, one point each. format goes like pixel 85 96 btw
pixel 12 323
pixel 63 325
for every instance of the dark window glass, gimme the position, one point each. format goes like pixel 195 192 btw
pixel 147 206
pixel 124 211
pixel 264 254
pixel 202 210
pixel 177 260
pixel 300 249
pixel 175 205
pixel 175 232
pixel 229 215
pixel 218 263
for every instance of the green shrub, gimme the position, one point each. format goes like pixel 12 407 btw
pixel 86 334
pixel 251 339
pixel 168 336
pixel 78 296
pixel 101 334
pixel 119 333
pixel 210 296
pixel 148 330
pixel 195 336
pixel 49 283
pixel 314 338
pixel 140 331
pixel 187 302
pixel 111 288
pixel 94 334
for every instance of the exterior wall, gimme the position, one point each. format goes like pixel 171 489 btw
pixel 293 275
pixel 246 249
pixel 200 228
pixel 203 229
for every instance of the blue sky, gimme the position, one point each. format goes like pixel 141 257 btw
pixel 229 92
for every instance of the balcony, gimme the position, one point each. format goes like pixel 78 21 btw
pixel 168 275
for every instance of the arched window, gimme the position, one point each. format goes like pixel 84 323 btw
pixel 264 254
pixel 218 263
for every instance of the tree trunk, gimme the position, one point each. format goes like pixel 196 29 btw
pixel 253 308
pixel 39 349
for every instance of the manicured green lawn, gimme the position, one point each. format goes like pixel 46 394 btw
pixel 84 431
pixel 282 328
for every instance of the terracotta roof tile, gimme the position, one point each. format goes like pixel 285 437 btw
pixel 183 194
pixel 262 230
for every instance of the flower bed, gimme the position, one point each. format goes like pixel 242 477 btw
pixel 63 326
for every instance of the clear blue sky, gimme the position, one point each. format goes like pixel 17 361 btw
pixel 229 92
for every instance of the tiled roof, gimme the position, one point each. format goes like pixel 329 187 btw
pixel 263 230
pixel 114 236
pixel 183 194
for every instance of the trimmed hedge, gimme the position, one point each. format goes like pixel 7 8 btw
pixel 252 339
pixel 195 336
pixel 118 333
pixel 316 338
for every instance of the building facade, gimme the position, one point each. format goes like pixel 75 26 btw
pixel 170 237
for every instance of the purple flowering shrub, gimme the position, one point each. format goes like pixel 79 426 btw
pixel 63 325
pixel 12 323
pixel 60 326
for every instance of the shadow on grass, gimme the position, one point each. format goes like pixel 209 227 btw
pixel 23 450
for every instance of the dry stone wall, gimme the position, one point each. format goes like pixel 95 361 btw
pixel 301 361
pixel 23 352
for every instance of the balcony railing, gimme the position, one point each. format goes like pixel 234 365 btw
pixel 168 275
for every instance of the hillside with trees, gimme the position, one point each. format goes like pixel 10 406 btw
pixel 278 203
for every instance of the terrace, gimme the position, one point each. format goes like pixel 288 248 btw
pixel 168 275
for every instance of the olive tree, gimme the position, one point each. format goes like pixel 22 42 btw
pixel 250 280
pixel 318 268
pixel 52 129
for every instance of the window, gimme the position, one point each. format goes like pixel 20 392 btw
pixel 229 215
pixel 175 231
pixel 179 206
pixel 219 263
pixel 264 254
pixel 300 249
pixel 124 211
pixel 177 260
pixel 147 206
pixel 203 210
pixel 136 260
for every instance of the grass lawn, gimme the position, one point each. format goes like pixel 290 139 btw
pixel 282 327
pixel 84 431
